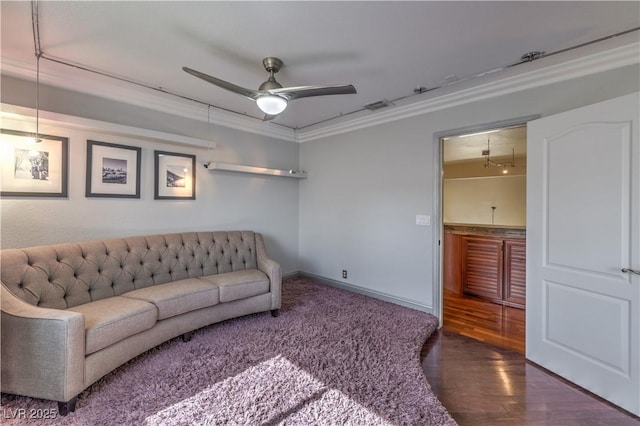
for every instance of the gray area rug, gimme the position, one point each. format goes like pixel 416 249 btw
pixel 332 357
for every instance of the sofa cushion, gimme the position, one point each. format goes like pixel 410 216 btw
pixel 178 297
pixel 108 321
pixel 239 284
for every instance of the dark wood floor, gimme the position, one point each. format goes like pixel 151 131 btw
pixel 481 383
pixel 500 325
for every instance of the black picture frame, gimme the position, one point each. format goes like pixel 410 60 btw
pixel 174 176
pixel 33 169
pixel 113 170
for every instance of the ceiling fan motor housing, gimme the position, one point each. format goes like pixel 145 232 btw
pixel 272 64
pixel 271 83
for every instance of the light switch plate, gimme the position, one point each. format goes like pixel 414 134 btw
pixel 423 220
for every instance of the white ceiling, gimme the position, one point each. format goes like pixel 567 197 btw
pixel 385 49
pixel 501 143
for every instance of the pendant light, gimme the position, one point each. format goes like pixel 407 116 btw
pixel 38 51
pixel 486 153
pixel 37 139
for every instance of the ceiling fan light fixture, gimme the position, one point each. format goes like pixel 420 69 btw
pixel 271 97
pixel 271 104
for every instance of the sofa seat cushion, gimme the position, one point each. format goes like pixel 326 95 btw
pixel 110 320
pixel 239 284
pixel 178 297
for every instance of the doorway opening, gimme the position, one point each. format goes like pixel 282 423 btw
pixel 484 234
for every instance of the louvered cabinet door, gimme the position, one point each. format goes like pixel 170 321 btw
pixel 515 272
pixel 482 267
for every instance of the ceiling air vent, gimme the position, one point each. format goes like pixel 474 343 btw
pixel 377 105
pixel 532 56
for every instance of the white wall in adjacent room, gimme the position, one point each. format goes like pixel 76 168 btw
pixel 495 200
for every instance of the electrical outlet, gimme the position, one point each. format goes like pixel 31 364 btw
pixel 344 274
pixel 423 220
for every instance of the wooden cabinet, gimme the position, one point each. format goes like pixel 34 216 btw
pixel 515 276
pixel 482 262
pixel 452 263
pixel 490 267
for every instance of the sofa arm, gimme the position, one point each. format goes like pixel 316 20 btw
pixel 273 271
pixel 42 350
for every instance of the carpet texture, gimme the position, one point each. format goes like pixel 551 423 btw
pixel 332 357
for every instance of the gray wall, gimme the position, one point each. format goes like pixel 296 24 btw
pixel 358 206
pixel 356 210
pixel 224 200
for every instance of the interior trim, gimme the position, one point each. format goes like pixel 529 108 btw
pixel 536 75
pixel 608 55
pixel 438 229
pixel 47 118
pixel 120 91
pixel 366 292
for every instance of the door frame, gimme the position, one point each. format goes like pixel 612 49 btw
pixel 438 231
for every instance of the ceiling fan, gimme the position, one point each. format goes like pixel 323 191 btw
pixel 271 97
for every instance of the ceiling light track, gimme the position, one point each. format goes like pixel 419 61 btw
pixel 526 58
pixel 146 86
pixel 505 165
pixel 35 25
pixel 534 55
pixel 40 54
pixel 370 107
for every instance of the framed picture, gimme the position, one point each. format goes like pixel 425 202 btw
pixel 113 170
pixel 30 168
pixel 175 176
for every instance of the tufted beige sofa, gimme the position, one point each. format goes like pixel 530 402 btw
pixel 73 312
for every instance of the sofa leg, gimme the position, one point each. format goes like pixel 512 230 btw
pixel 65 408
pixel 275 312
pixel 187 336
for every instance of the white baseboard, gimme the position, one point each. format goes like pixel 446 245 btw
pixel 291 274
pixel 364 291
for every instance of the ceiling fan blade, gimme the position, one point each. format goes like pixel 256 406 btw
pixel 307 91
pixel 269 117
pixel 249 93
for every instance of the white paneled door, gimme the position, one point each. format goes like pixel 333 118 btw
pixel 583 237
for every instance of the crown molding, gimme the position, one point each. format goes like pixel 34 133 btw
pixel 603 56
pixel 539 73
pixel 124 92
pixel 47 118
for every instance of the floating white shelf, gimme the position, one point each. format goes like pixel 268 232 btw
pixel 229 167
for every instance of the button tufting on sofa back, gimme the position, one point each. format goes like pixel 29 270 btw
pixel 65 275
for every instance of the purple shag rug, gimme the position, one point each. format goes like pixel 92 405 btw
pixel 332 357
